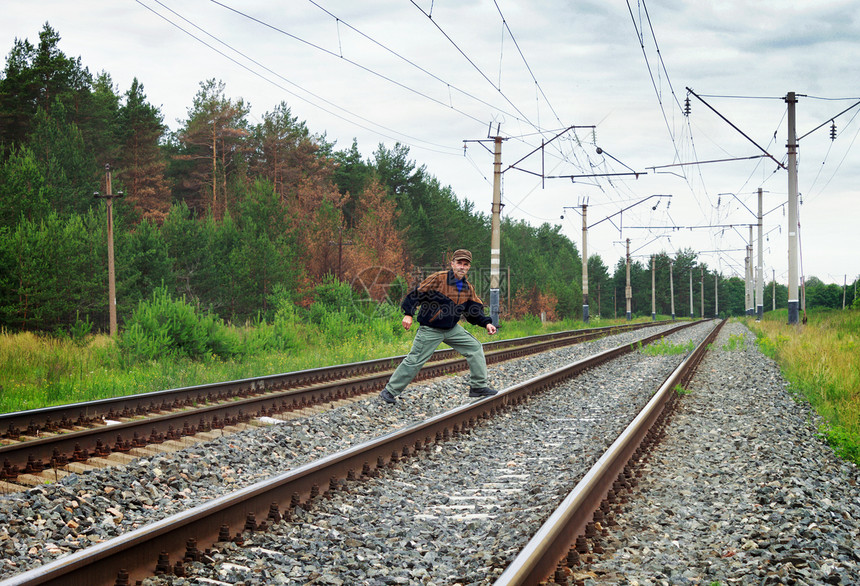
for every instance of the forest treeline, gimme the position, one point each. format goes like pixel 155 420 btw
pixel 227 213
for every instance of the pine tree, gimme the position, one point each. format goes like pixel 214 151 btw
pixel 283 151
pixel 213 142
pixel 376 240
pixel 141 164
pixel 68 166
pixel 23 187
pixel 39 77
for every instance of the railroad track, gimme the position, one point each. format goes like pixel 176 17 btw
pixel 185 535
pixel 46 444
pixel 557 546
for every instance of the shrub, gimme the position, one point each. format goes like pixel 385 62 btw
pixel 81 329
pixel 736 342
pixel 281 334
pixel 163 327
pixel 79 332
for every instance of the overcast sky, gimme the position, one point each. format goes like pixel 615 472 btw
pixel 432 74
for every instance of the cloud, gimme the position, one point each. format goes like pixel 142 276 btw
pixel 581 63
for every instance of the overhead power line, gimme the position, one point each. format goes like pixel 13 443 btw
pixel 346 59
pixel 641 39
pixel 473 64
pixel 742 133
pixel 640 36
pixel 447 150
pixel 525 61
pixel 522 116
pixel 406 60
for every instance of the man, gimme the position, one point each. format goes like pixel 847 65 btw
pixel 444 297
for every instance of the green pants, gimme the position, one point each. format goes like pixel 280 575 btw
pixel 426 341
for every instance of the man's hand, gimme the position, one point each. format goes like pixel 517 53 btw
pixel 491 329
pixel 407 321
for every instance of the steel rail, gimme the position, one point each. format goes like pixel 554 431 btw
pixel 55 450
pixel 114 406
pixel 134 554
pixel 539 559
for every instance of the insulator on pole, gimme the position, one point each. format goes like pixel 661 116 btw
pixel 832 130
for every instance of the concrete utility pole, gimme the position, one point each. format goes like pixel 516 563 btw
pixel 584 265
pixel 759 273
pixel 585 227
pixel 716 295
pixel 844 283
pixel 614 301
pixel 340 244
pixel 751 306
pixel 653 292
pixel 495 240
pixel 748 287
pixel 691 293
pixel 702 292
pixel 793 298
pixel 672 288
pixel 109 197
pixel 628 291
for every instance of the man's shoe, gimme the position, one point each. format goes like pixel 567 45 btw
pixel 482 392
pixel 386 396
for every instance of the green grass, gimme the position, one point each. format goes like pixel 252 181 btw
pixel 681 390
pixel 40 370
pixel 821 362
pixel 736 342
pixel 665 348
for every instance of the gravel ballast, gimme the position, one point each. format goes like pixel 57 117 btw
pixel 459 513
pixel 46 522
pixel 742 490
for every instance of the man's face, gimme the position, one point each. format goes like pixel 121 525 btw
pixel 460 267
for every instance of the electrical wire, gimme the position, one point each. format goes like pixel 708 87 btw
pixel 477 168
pixel 641 37
pixel 526 63
pixel 340 21
pixel 472 63
pixel 405 59
pixel 839 166
pixel 345 59
pixel 522 117
pixel 281 87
